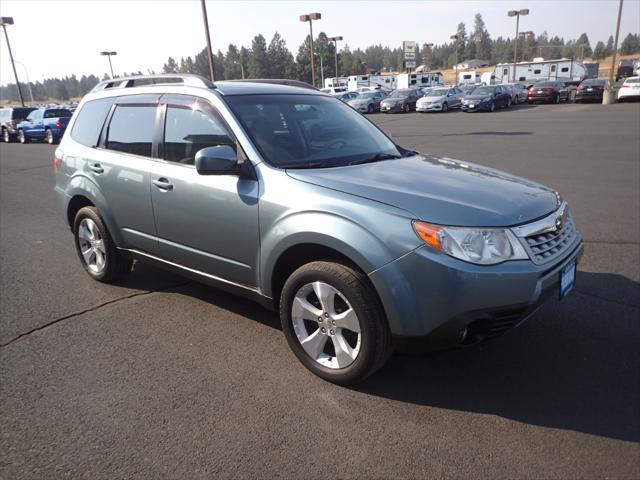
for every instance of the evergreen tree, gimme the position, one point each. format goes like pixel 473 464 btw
pixel 583 46
pixel 630 44
pixel 170 67
pixel 481 39
pixel 599 51
pixel 232 65
pixel 280 58
pixel 608 51
pixel 259 63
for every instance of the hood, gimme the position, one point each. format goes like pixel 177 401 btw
pixel 477 97
pixel 440 190
pixel 433 99
pixel 393 100
pixel 360 100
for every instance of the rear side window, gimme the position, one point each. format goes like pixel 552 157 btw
pixel 131 129
pixel 57 113
pixel 21 113
pixel 88 125
pixel 187 131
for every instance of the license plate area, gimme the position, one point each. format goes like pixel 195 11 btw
pixel 567 278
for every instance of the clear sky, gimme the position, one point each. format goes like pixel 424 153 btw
pixel 58 38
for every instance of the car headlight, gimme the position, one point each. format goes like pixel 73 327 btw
pixel 483 246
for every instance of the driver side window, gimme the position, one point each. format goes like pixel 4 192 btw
pixel 188 130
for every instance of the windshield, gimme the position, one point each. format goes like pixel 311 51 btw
pixel 309 131
pixel 546 84
pixel 399 94
pixel 483 91
pixel 367 95
pixel 437 92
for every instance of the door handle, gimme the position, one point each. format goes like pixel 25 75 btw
pixel 96 168
pixel 163 184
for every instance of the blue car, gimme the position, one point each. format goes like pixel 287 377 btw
pixel 44 124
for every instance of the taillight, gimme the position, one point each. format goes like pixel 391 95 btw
pixel 581 87
pixel 57 158
pixel 599 87
pixel 549 89
pixel 59 124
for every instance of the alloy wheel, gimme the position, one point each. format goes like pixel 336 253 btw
pixel 326 325
pixel 92 245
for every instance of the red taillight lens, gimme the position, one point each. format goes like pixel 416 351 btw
pixel 57 158
pixel 549 89
pixel 581 87
pixel 599 87
pixel 59 124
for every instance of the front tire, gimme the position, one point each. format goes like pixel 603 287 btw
pixel 96 249
pixel 6 136
pixel 558 99
pixel 492 107
pixel 445 107
pixel 407 108
pixel 370 109
pixel 508 102
pixel 334 323
pixel 22 138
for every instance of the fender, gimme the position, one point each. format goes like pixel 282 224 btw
pixel 327 229
pixel 81 184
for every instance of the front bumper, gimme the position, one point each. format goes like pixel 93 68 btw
pixel 476 107
pixel 391 108
pixel 430 298
pixel 434 107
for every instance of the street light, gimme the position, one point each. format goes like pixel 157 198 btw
pixel 108 55
pixel 309 18
pixel 335 46
pixel 4 21
pixel 426 47
pixel 523 35
pixel 455 48
pixel 516 13
pixel 236 62
pixel 26 73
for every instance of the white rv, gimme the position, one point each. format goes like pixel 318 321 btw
pixel 564 69
pixel 387 82
pixel 424 79
pixel 488 78
pixel 469 78
pixel 331 82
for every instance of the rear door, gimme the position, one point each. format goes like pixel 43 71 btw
pixel 121 168
pixel 205 222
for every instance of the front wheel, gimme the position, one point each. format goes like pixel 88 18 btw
pixel 370 109
pixel 508 102
pixel 558 98
pixel 96 249
pixel 492 107
pixel 334 323
pixel 22 138
pixel 445 107
pixel 515 101
pixel 6 136
pixel 407 108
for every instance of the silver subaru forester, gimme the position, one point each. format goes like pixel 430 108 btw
pixel 291 198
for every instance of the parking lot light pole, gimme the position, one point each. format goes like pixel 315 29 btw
pixel 4 21
pixel 335 47
pixel 455 51
pixel 26 74
pixel 309 18
pixel 516 13
pixel 427 48
pixel 108 55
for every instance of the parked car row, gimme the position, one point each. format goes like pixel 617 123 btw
pixel 31 123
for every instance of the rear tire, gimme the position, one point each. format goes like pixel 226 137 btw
pixel 492 107
pixel 6 136
pixel 407 108
pixel 557 98
pixel 338 354
pixel 370 109
pixel 96 249
pixel 508 103
pixel 49 137
pixel 22 138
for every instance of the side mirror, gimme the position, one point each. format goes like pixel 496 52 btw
pixel 218 160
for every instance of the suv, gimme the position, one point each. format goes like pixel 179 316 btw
pixel 9 120
pixel 292 198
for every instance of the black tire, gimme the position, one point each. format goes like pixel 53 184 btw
pixel 508 104
pixel 375 338
pixel 445 107
pixel 115 264
pixel 49 137
pixel 492 107
pixel 557 98
pixel 22 138
pixel 515 100
pixel 407 108
pixel 6 136
pixel 370 109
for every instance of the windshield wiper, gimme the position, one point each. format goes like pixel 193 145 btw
pixel 306 165
pixel 376 158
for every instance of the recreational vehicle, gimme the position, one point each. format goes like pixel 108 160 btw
pixel 331 82
pixel 425 79
pixel 469 78
pixel 488 78
pixel 566 70
pixel 387 82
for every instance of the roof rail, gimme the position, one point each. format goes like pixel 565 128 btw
pixel 278 81
pixel 151 80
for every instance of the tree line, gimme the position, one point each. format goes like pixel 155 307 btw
pixel 273 59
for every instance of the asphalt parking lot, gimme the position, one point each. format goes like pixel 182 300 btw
pixel 159 377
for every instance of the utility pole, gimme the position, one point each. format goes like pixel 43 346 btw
pixel 212 71
pixel 516 13
pixel 4 21
pixel 309 18
pixel 609 96
pixel 455 45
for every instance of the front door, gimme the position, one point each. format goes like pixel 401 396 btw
pixel 205 222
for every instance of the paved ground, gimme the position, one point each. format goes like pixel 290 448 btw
pixel 162 378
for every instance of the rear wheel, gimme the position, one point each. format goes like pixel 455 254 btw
pixel 492 107
pixel 96 249
pixel 508 102
pixel 558 98
pixel 49 137
pixel 22 138
pixel 515 100
pixel 6 137
pixel 407 108
pixel 334 323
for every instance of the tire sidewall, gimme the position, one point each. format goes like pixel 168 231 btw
pixel 366 316
pixel 49 137
pixel 92 213
pixel 22 138
pixel 6 136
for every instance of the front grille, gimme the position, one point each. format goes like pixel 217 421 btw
pixel 549 246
